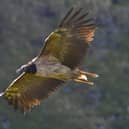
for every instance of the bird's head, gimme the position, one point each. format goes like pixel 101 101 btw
pixel 28 68
pixel 21 69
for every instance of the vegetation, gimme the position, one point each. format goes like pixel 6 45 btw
pixel 23 26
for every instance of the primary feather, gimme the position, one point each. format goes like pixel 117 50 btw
pixel 70 41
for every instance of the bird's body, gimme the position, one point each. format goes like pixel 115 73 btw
pixel 58 62
pixel 52 68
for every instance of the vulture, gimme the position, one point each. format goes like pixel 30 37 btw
pixel 59 60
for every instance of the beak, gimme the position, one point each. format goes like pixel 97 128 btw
pixel 21 69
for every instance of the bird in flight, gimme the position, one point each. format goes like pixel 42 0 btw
pixel 58 62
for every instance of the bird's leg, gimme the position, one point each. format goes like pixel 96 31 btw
pixel 93 75
pixel 84 81
pixel 81 76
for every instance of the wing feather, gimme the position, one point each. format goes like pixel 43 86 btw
pixel 70 41
pixel 77 22
pixel 70 20
pixel 28 90
pixel 66 17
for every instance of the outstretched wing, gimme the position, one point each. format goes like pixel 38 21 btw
pixel 70 41
pixel 27 91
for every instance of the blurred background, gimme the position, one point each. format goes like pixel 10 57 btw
pixel 23 26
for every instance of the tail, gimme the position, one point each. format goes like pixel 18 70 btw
pixel 83 77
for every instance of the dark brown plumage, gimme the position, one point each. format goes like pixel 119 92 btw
pixel 58 62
